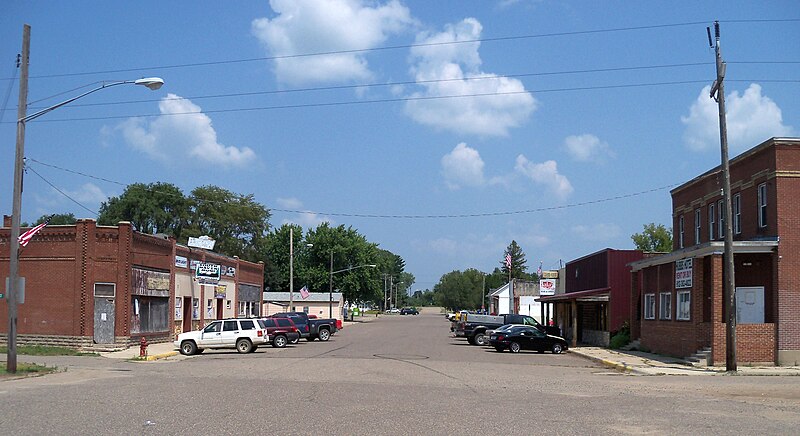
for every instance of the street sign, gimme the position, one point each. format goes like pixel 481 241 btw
pixel 20 290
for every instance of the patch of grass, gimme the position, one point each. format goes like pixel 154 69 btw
pixel 28 369
pixel 44 350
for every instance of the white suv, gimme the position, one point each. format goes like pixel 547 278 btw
pixel 243 334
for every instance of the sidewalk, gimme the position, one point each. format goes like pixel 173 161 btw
pixel 641 363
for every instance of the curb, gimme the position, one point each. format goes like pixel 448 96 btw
pixel 611 364
pixel 161 356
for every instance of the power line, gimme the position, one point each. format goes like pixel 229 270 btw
pixel 386 216
pixel 62 192
pixel 406 46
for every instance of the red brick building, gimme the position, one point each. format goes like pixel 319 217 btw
pixel 106 286
pixel 679 296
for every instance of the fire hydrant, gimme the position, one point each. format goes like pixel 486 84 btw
pixel 143 347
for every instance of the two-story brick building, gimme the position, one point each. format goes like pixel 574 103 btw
pixel 107 286
pixel 679 296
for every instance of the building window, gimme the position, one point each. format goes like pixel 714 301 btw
pixel 680 231
pixel 684 305
pixel 711 222
pixel 762 205
pixel 665 306
pixel 737 214
pixel 649 306
pixel 721 208
pixel 697 226
pixel 149 314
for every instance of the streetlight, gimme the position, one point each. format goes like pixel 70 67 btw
pixel 13 273
pixel 330 283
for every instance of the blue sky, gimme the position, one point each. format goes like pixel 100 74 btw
pixel 583 125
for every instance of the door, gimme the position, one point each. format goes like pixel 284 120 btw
pixel 750 305
pixel 211 334
pixel 187 314
pixel 230 331
pixel 219 308
pixel 103 320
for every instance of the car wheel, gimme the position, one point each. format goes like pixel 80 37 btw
pixel 244 345
pixel 480 339
pixel 557 349
pixel 514 347
pixel 499 348
pixel 279 341
pixel 324 335
pixel 188 348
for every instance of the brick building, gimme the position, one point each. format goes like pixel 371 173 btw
pixel 679 295
pixel 105 286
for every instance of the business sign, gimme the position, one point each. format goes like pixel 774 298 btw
pixel 229 271
pixel 193 264
pixel 181 262
pixel 202 242
pixel 207 271
pixel 683 273
pixel 547 287
pixel 220 291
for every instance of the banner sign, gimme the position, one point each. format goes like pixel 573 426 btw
pixel 683 273
pixel 207 271
pixel 547 287
pixel 220 291
pixel 181 262
pixel 202 242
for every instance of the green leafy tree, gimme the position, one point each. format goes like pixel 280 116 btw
pixel 150 208
pixel 58 219
pixel 237 222
pixel 460 290
pixel 275 252
pixel 518 261
pixel 654 238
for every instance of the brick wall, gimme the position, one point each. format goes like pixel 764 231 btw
pixel 754 343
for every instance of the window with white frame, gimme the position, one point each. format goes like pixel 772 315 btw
pixel 665 306
pixel 649 306
pixel 711 222
pixel 762 205
pixel 680 231
pixel 721 222
pixel 737 214
pixel 697 226
pixel 684 305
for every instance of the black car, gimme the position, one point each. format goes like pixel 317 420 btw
pixel 408 311
pixel 526 338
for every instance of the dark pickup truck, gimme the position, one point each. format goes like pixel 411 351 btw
pixel 310 329
pixel 474 327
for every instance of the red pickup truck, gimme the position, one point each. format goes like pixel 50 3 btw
pixel 281 331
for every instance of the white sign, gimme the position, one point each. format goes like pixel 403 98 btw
pixel 208 271
pixel 230 271
pixel 683 273
pixel 202 242
pixel 547 286
pixel 193 264
pixel 181 262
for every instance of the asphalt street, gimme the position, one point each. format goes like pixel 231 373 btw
pixel 394 375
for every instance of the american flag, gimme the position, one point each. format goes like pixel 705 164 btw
pixel 539 271
pixel 304 292
pixel 508 260
pixel 27 236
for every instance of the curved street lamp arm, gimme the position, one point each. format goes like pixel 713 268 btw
pixel 352 268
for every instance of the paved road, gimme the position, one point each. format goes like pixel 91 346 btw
pixel 395 375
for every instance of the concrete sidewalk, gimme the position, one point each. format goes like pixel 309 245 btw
pixel 167 349
pixel 641 363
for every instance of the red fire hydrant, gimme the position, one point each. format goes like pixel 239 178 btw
pixel 143 347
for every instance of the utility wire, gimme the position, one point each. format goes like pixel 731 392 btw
pixel 408 46
pixel 62 192
pixel 382 216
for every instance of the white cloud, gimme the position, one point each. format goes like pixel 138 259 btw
pixel 751 119
pixel 303 218
pixel 587 147
pixel 318 26
pixel 597 232
pixel 289 203
pixel 88 193
pixel 182 131
pixel 463 167
pixel 440 69
pixel 546 174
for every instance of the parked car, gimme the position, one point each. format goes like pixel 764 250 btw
pixel 321 328
pixel 525 337
pixel 474 326
pixel 393 310
pixel 281 331
pixel 409 311
pixel 243 334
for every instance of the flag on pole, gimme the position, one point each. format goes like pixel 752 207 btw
pixel 27 236
pixel 304 292
pixel 539 271
pixel 508 260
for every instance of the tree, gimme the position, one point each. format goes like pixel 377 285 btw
pixel 152 208
pixel 518 261
pixel 654 238
pixel 274 251
pixel 58 219
pixel 236 222
pixel 460 290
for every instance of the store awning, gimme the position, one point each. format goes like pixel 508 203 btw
pixel 599 294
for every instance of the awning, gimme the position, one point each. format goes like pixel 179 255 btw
pixel 599 294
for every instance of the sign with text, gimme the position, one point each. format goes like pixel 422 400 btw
pixel 202 242
pixel 683 273
pixel 181 262
pixel 547 287
pixel 209 271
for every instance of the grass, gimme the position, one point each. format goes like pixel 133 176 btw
pixel 43 350
pixel 28 369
